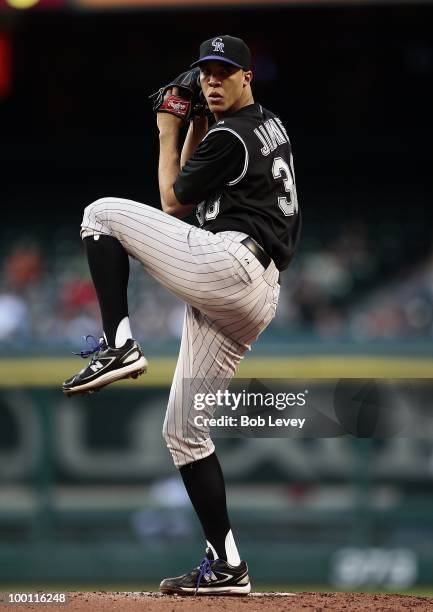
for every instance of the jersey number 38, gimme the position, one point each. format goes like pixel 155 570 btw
pixel 289 202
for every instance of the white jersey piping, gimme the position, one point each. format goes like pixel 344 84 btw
pixel 245 168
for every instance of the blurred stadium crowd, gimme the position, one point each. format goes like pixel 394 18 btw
pixel 361 139
pixel 337 290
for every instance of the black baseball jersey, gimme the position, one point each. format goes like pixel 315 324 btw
pixel 241 177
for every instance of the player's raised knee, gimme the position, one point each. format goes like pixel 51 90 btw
pixel 94 220
pixel 91 211
pixel 100 203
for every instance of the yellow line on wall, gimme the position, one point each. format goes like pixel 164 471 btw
pixel 51 372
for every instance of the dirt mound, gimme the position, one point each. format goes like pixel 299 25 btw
pixel 256 602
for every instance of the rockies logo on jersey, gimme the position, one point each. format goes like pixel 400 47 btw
pixel 218 45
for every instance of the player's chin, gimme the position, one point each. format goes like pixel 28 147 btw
pixel 217 104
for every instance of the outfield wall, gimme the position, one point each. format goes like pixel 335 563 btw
pixel 88 492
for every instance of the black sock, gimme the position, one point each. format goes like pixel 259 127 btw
pixel 204 482
pixel 109 267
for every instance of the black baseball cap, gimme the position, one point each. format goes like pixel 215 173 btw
pixel 225 49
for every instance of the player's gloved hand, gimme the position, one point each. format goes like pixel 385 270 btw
pixel 190 101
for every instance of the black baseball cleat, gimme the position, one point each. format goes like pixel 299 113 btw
pixel 106 366
pixel 212 577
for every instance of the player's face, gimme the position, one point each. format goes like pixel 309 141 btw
pixel 224 86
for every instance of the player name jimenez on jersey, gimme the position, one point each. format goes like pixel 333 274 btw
pixel 241 176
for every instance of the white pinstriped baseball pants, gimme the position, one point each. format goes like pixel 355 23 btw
pixel 230 299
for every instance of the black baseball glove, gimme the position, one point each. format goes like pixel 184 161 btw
pixel 189 103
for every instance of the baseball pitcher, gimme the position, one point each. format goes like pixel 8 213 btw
pixel 235 170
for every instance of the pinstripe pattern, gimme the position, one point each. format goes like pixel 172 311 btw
pixel 230 299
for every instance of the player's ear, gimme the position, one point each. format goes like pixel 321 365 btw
pixel 248 77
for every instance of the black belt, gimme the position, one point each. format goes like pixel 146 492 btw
pixel 258 252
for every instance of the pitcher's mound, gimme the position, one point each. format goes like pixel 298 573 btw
pixel 255 602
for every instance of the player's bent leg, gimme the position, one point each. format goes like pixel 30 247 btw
pixel 199 267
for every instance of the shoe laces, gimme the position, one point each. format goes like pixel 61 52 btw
pixel 205 567
pixel 95 346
